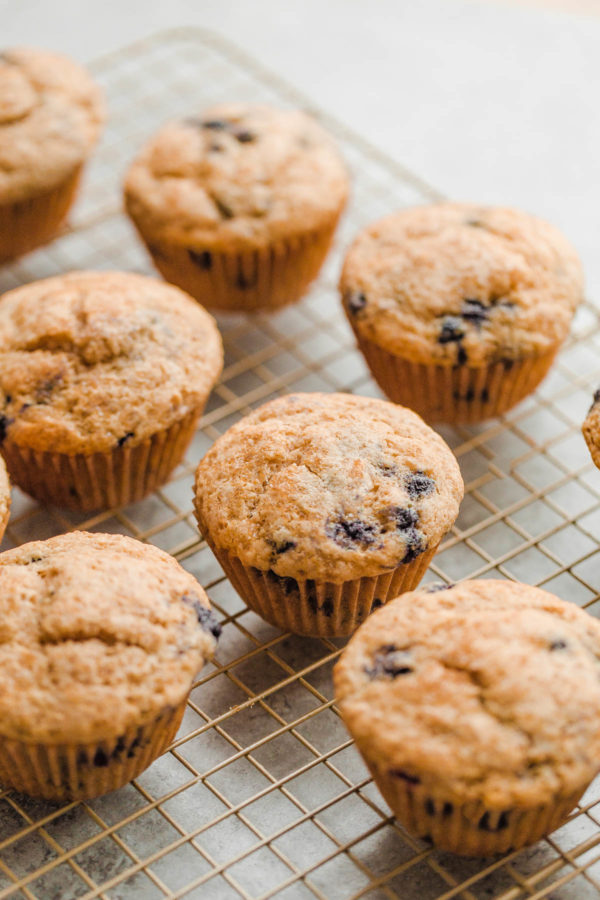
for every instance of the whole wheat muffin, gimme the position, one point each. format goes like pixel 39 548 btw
pixel 103 376
pixel 459 309
pixel 239 205
pixel 591 429
pixel 101 637
pixel 321 506
pixel 51 113
pixel 477 709
pixel 4 499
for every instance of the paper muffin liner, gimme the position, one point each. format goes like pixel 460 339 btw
pixel 27 224
pixel 264 279
pixel 455 394
pixel 470 829
pixel 101 480
pixel 82 771
pixel 319 608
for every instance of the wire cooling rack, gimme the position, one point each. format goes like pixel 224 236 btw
pixel 263 794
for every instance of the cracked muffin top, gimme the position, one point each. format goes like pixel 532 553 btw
pixel 91 360
pixel 486 690
pixel 463 284
pixel 50 116
pixel 328 486
pixel 239 176
pixel 98 633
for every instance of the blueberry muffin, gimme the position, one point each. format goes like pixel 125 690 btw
pixel 101 639
pixel 460 310
pixel 51 113
pixel 320 507
pixel 238 206
pixel 476 708
pixel 4 499
pixel 103 377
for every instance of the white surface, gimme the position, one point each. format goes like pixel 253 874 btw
pixel 490 103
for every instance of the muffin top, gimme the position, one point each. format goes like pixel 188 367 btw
pixel 486 690
pixel 4 498
pixel 50 115
pixel 328 486
pixel 240 176
pixel 92 360
pixel 591 429
pixel 462 284
pixel 98 633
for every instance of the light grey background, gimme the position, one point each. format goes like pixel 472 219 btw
pixel 489 102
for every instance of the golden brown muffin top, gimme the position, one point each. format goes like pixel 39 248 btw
pixel 328 486
pixel 486 691
pixel 236 177
pixel 458 283
pixel 90 360
pixel 50 116
pixel 98 633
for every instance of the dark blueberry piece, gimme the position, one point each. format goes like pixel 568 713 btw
pixel 245 137
pixel 24 408
pixel 430 807
pixel 125 438
pixel 100 758
pixel 32 559
pixel 119 747
pixel 225 211
pixel 596 399
pixel 205 616
pixel 470 395
pixel 405 776
pixel 213 124
pixel 327 607
pixel 484 823
pixel 418 484
pixel 376 604
pixel 7 399
pixel 356 301
pixel 508 364
pixel 135 744
pixel 4 424
pixel 414 545
pixel 461 356
pixel 435 586
pixel 387 469
pixel 474 311
pixel 287 584
pixel 390 661
pixel 452 330
pixel 484 395
pixel 202 258
pixel 243 282
pixel 347 533
pixel 284 547
pixel 447 809
pixel 558 644
pixel 404 518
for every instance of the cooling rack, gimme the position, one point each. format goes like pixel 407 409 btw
pixel 262 793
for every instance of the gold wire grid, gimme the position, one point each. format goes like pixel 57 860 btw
pixel 263 794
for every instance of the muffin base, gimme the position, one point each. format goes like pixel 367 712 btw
pixel 100 480
pixel 28 224
pixel 319 609
pixel 455 394
pixel 264 279
pixel 470 829
pixel 82 771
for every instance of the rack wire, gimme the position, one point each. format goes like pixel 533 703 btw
pixel 262 793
